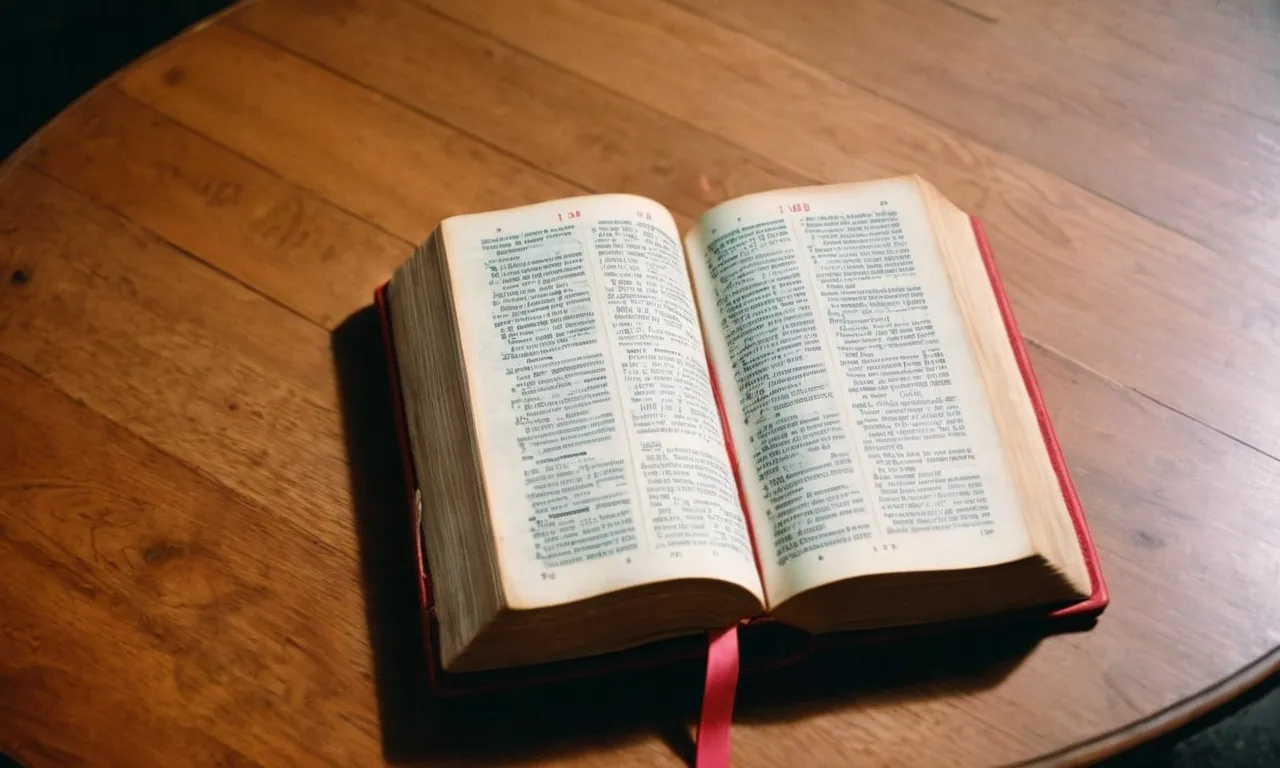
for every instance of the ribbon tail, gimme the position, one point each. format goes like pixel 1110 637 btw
pixel 717 699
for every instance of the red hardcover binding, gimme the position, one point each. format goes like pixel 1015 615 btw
pixel 694 648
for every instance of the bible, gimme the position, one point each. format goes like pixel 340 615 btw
pixel 813 409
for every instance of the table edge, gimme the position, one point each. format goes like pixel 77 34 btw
pixel 1164 721
pixel 28 145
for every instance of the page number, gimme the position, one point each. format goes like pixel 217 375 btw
pixel 568 215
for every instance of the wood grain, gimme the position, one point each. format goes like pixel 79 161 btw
pixel 198 506
pixel 384 163
pixel 291 245
pixel 1166 152
pixel 200 366
pixel 1185 324
pixel 1211 51
pixel 585 133
pixel 141 591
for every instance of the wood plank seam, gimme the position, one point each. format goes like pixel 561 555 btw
pixel 1049 349
pixel 80 403
pixel 238 495
pixel 967 11
pixel 248 501
pixel 1202 422
pixel 185 252
pixel 123 424
pixel 115 86
pixel 487 35
pixel 692 9
pixel 1207 94
pixel 230 23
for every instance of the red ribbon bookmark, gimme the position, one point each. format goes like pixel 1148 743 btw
pixel 717 699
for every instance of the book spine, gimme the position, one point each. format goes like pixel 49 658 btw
pixel 733 464
pixel 411 485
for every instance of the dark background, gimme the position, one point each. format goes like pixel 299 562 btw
pixel 51 51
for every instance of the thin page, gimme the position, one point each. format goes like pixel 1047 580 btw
pixel 855 403
pixel 600 445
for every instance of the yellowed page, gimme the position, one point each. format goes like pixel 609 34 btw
pixel 855 403
pixel 601 450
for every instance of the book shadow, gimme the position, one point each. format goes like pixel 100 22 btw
pixel 594 714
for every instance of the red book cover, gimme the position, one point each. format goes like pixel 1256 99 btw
pixel 695 647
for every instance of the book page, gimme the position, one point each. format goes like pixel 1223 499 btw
pixel 864 438
pixel 601 448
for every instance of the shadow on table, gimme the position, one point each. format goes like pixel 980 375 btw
pixel 595 713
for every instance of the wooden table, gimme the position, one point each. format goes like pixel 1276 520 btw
pixel 202 558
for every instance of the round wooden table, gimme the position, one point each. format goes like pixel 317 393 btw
pixel 202 548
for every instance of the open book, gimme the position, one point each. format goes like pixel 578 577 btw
pixel 811 411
